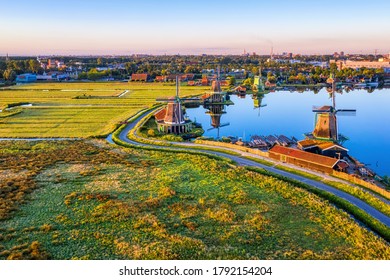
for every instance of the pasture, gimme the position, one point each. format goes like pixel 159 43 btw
pixel 89 200
pixel 78 109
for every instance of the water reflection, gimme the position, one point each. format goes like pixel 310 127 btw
pixel 215 111
pixel 290 113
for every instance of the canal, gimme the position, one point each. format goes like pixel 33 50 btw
pixel 290 114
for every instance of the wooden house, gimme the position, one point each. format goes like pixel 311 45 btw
pixel 306 159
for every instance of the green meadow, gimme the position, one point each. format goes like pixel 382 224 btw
pixel 78 109
pixel 89 200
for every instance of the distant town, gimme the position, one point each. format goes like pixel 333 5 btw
pixel 279 70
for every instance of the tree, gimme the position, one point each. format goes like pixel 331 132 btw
pixel 33 65
pixel 232 81
pixel 9 75
pixel 333 67
pixel 271 79
pixel 151 132
pixel 300 77
pixel 189 69
pixel 255 70
pixel 248 82
pixel 94 75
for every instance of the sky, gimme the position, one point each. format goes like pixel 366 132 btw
pixel 125 27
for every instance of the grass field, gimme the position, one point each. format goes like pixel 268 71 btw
pixel 88 200
pixel 78 109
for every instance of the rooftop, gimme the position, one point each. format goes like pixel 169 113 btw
pixel 306 156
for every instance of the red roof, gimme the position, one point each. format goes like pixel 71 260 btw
pixel 322 145
pixel 305 156
pixel 139 77
pixel 160 78
pixel 160 115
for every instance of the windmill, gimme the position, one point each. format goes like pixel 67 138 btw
pixel 326 126
pixel 216 95
pixel 258 85
pixel 171 118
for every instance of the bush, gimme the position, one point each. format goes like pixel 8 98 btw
pixel 151 133
pixel 172 138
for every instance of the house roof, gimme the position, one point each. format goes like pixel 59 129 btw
pixel 139 76
pixel 305 156
pixel 322 145
pixel 174 113
pixel 307 143
pixel 329 145
pixel 325 108
pixel 160 115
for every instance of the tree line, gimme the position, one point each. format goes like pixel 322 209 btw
pixel 281 71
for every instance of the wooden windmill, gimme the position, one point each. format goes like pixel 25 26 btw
pixel 171 118
pixel 326 127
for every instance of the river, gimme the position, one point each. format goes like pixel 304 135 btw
pixel 290 113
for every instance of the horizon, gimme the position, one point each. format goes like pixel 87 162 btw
pixel 177 54
pixel 125 28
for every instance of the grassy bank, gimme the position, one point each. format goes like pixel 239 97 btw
pixel 356 191
pixel 362 216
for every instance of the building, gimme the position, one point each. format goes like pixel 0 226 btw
pixel 205 81
pixel 326 126
pixel 51 63
pixel 26 78
pixel 258 85
pixel 187 77
pixel 140 77
pixel 46 77
pixel 161 78
pixel 216 95
pixel 306 159
pixel 324 148
pixel 341 64
pixel 171 118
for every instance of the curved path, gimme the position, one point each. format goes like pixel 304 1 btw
pixel 247 162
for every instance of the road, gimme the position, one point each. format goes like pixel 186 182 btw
pixel 247 162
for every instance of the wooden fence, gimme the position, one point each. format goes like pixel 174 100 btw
pixel 361 182
pixel 234 147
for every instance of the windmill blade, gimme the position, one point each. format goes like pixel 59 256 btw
pixel 346 112
pixel 224 124
pixel 211 128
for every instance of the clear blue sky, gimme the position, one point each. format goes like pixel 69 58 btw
pixel 193 27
